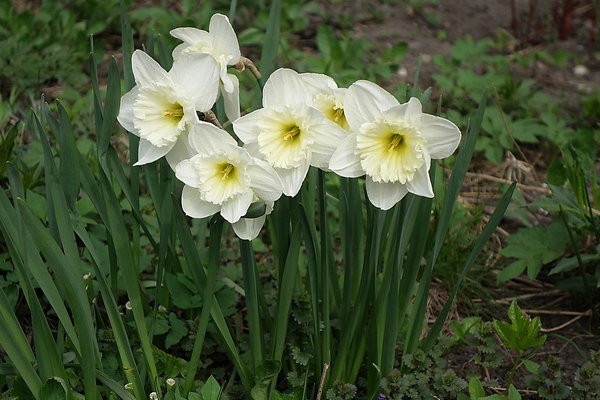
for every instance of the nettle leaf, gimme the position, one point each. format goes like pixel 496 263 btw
pixel 522 332
pixel 534 247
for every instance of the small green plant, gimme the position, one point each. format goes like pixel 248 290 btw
pixel 341 391
pixel 587 379
pixel 522 335
pixel 423 376
pixel 548 380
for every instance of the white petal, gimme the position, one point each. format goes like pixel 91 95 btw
pixel 248 228
pixel 265 183
pixel 318 83
pixel 231 99
pixel 147 152
pixel 385 195
pixel 292 178
pixel 236 207
pixel 442 135
pixel 285 88
pixel 146 71
pixel 194 206
pixel 246 127
pixel 253 149
pixel 125 117
pixel 410 112
pixel 186 173
pixel 226 82
pixel 327 136
pixel 190 35
pixel 224 38
pixel 421 184
pixel 180 151
pixel 198 75
pixel 179 51
pixel 205 138
pixel 344 160
pixel 365 102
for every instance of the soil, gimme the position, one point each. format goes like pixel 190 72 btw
pixel 422 28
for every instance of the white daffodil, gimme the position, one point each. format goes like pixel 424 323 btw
pixel 223 177
pixel 221 43
pixel 327 97
pixel 162 105
pixel 287 132
pixel 391 143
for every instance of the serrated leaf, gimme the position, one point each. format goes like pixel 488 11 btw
pixel 178 331
pixel 534 247
pixel 522 332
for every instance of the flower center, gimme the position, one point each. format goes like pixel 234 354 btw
pixel 390 152
pixel 283 138
pixel 338 116
pixel 176 112
pixel 221 175
pixel 292 134
pixel 397 140
pixel 226 170
pixel 158 116
pixel 332 107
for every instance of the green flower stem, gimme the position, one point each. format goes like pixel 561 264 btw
pixel 216 228
pixel 251 290
pixel 324 265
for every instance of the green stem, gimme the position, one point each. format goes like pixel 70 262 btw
pixel 251 289
pixel 326 348
pixel 513 370
pixel 216 228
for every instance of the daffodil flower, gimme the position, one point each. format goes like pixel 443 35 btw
pixel 223 177
pixel 221 43
pixel 391 143
pixel 287 132
pixel 162 106
pixel 327 97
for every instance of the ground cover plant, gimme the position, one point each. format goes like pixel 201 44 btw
pixel 323 286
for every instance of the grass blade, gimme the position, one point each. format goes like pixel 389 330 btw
pixel 285 295
pixel 251 289
pixel 14 343
pixel 271 45
pixel 489 229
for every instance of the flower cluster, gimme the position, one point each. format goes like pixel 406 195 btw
pixel 306 120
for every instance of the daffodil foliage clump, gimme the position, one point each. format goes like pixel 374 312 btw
pixel 273 161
